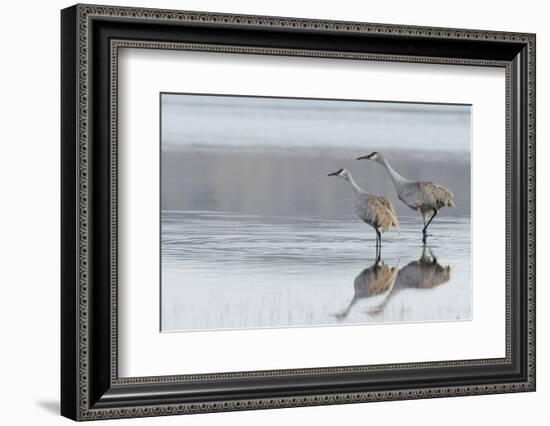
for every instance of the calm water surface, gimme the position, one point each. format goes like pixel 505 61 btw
pixel 229 271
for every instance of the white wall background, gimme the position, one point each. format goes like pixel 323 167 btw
pixel 29 213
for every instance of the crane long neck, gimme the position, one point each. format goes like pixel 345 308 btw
pixel 397 179
pixel 356 188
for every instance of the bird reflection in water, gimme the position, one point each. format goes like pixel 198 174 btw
pixel 372 287
pixel 424 273
pixel 375 285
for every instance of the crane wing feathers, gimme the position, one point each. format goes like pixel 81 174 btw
pixel 426 195
pixel 377 211
pixel 392 216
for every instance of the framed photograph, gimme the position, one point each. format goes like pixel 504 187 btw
pixel 263 212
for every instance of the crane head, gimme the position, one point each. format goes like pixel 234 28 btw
pixel 372 156
pixel 342 173
pixel 336 173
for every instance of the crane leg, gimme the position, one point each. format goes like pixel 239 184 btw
pixel 378 245
pixel 426 226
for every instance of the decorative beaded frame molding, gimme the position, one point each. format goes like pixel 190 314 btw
pixel 85 409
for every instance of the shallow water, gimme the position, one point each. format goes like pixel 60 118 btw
pixel 229 271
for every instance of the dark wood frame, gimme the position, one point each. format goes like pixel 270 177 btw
pixel 91 37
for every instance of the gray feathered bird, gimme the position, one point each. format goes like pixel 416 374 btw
pixel 374 210
pixel 424 197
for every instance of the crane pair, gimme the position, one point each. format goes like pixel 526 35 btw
pixel 378 212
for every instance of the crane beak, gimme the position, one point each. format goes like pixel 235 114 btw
pixel 364 157
pixel 334 174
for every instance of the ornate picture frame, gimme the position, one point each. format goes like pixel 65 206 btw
pixel 91 37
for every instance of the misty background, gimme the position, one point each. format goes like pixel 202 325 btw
pixel 271 156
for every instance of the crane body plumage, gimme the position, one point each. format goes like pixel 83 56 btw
pixel 423 197
pixel 374 210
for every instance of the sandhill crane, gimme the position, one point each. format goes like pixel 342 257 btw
pixel 420 196
pixel 374 210
pixel 373 286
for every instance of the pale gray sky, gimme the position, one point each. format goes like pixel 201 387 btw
pixel 286 123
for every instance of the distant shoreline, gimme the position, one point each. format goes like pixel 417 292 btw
pixel 347 151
